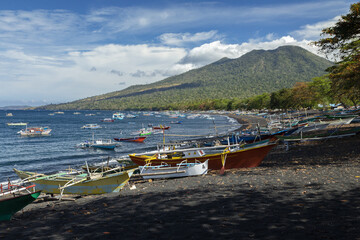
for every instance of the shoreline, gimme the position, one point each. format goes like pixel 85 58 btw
pixel 308 192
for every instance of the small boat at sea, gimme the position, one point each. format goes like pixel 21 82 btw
pixel 161 127
pixel 91 126
pixel 99 143
pixel 130 116
pixel 132 139
pixel 83 183
pixel 118 116
pixel 143 132
pixel 220 157
pixel 176 122
pixel 107 120
pixel 107 144
pixel 14 198
pixel 9 115
pixel 35 132
pixel 17 124
pixel 183 169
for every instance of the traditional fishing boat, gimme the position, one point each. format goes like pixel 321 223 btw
pixel 35 131
pixel 132 139
pixel 228 156
pixel 78 183
pixel 99 143
pixel 17 124
pixel 183 169
pixel 107 120
pixel 335 133
pixel 91 126
pixel 143 132
pixel 118 116
pixel 15 198
pixel 161 127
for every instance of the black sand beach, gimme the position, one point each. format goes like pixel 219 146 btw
pixel 308 192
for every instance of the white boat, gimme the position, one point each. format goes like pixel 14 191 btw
pixel 130 116
pixel 99 143
pixel 17 124
pixel 91 126
pixel 9 115
pixel 35 131
pixel 183 169
pixel 118 116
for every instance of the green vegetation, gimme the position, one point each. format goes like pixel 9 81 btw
pixel 343 39
pixel 225 84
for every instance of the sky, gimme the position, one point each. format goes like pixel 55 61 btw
pixel 60 50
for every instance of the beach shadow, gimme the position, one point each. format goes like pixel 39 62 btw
pixel 230 212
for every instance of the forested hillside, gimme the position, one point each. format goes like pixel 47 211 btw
pixel 254 73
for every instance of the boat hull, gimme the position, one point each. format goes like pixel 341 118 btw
pixel 111 183
pixel 243 158
pixel 151 172
pixel 9 206
pixel 134 139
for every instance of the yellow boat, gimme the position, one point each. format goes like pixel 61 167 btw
pixel 81 184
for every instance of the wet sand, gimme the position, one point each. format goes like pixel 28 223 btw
pixel 308 192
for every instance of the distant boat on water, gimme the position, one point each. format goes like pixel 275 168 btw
pixel 91 126
pixel 107 120
pixel 35 132
pixel 17 124
pixel 118 116
pixel 99 143
pixel 9 115
pixel 133 139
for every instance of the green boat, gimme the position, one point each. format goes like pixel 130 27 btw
pixel 12 201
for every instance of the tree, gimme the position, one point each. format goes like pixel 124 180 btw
pixel 302 96
pixel 343 40
pixel 281 99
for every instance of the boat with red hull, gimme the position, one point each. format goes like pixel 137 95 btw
pixel 233 156
pixel 133 139
pixel 161 127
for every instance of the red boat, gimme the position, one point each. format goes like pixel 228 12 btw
pixel 249 155
pixel 133 139
pixel 161 127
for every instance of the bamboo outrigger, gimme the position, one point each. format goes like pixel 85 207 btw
pixel 79 183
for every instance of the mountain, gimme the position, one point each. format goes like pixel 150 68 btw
pixel 14 107
pixel 254 73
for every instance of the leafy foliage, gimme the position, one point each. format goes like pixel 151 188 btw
pixel 343 40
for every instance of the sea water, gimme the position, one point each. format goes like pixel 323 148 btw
pixel 57 152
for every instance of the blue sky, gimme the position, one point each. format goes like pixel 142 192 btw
pixel 59 51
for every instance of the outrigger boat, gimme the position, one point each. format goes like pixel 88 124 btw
pixel 220 157
pixel 133 139
pixel 183 169
pixel 99 143
pixel 91 126
pixel 79 183
pixel 17 124
pixel 15 198
pixel 161 127
pixel 35 132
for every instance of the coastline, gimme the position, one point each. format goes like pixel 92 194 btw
pixel 310 191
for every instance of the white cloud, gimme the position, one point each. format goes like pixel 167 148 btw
pixel 313 31
pixel 92 72
pixel 59 55
pixel 180 39
pixel 210 52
